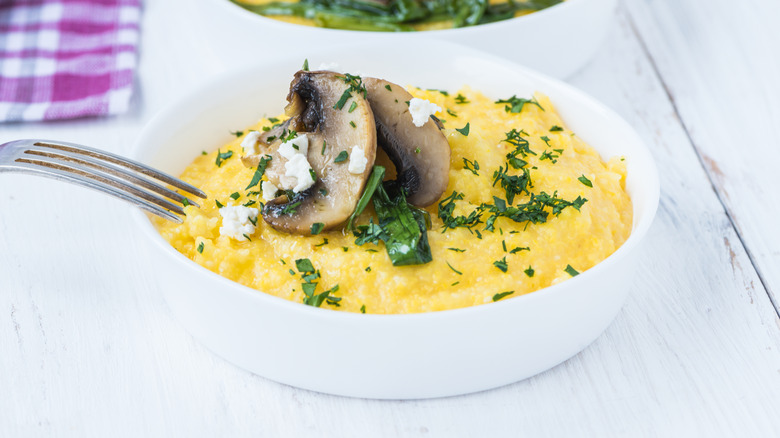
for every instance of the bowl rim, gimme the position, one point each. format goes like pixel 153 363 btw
pixel 638 232
pixel 541 14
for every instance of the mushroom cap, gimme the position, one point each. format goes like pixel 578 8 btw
pixel 424 175
pixel 312 109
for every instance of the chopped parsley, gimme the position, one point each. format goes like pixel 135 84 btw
pixel 291 208
pixel 461 99
pixel 471 166
pixel 515 104
pixel 219 204
pixel 556 128
pixel 289 135
pixel 552 155
pixel 352 124
pixel 368 269
pixel 571 271
pixel 323 243
pixel 457 249
pixel 316 228
pixel 530 271
pixel 501 264
pixel 446 208
pixel 236 133
pixel 519 248
pixel 453 269
pixel 355 86
pixel 585 181
pixel 341 157
pixel 464 130
pixel 222 156
pixel 452 113
pixel 305 65
pixel 235 195
pixel 363 307
pixel 201 245
pixel 259 172
pixel 388 87
pixel 498 296
pixel 304 265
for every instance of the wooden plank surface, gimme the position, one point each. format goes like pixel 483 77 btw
pixel 89 348
pixel 720 65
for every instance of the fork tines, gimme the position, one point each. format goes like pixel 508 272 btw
pixel 109 173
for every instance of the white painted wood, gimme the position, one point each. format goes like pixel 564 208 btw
pixel 88 348
pixel 720 64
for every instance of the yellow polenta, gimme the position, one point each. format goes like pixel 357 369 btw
pixel 463 272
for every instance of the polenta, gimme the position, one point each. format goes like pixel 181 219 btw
pixel 575 213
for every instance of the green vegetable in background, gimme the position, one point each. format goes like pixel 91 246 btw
pixel 396 15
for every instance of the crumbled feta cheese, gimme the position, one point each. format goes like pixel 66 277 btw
pixel 422 110
pixel 298 145
pixel 269 190
pixel 299 168
pixel 236 221
pixel 249 143
pixel 357 161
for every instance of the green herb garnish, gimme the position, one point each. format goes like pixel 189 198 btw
pixel 374 181
pixel 259 172
pixel 515 104
pixel 222 156
pixel 201 245
pixel 341 157
pixel 571 271
pixel 471 166
pixel 501 264
pixel 453 269
pixel 498 296
pixel 316 228
pixel 585 181
pixel 530 271
pixel 464 130
pixel 304 265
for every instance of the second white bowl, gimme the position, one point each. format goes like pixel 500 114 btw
pixel 557 41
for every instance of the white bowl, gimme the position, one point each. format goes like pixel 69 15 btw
pixel 391 356
pixel 557 40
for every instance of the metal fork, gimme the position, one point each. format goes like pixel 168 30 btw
pixel 117 176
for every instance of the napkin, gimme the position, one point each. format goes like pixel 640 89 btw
pixel 63 59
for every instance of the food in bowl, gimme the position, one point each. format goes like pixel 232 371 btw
pixel 483 199
pixel 393 15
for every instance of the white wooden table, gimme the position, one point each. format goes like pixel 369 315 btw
pixel 88 347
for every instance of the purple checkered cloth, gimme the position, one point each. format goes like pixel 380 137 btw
pixel 63 59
